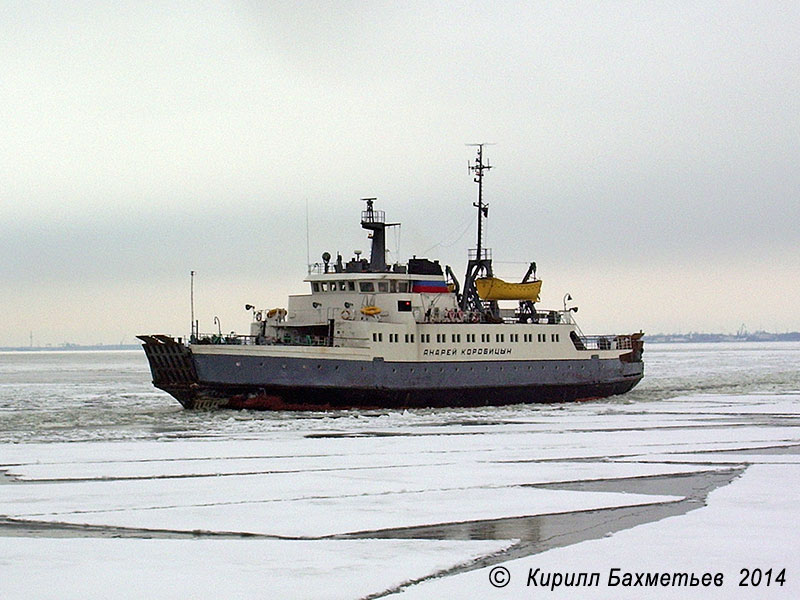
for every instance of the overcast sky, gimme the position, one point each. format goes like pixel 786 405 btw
pixel 646 155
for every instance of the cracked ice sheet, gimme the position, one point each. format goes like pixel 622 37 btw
pixel 717 458
pixel 83 569
pixel 335 514
pixel 751 523
pixel 145 459
pixel 749 404
pixel 351 475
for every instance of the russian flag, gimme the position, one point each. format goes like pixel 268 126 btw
pixel 429 287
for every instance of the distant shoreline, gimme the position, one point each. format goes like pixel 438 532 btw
pixel 696 338
pixel 71 347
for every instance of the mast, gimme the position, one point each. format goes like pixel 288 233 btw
pixel 375 221
pixel 479 265
pixel 483 209
pixel 191 301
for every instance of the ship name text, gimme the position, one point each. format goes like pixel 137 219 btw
pixel 466 351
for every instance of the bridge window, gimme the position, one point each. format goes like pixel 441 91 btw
pixel 402 287
pixel 366 286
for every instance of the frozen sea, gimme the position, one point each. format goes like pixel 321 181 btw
pixel 109 489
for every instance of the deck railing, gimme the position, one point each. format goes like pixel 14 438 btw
pixel 602 342
pixel 373 216
pixel 486 254
pixel 285 340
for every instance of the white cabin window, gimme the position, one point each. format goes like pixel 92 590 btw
pixel 383 286
pixel 351 286
pixel 366 286
pixel 402 286
pixel 315 286
pixel 342 286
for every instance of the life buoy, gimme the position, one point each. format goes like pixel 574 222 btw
pixel 346 315
pixel 272 312
pixel 370 310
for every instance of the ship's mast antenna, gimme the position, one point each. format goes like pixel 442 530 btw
pixel 483 209
pixel 191 302
pixel 308 242
pixel 479 265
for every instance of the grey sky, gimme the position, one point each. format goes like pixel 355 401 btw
pixel 646 157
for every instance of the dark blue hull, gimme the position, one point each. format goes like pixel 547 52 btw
pixel 245 381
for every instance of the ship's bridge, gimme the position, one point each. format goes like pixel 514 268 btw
pixel 377 283
pixel 387 296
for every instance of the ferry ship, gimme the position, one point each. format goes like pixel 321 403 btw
pixel 376 335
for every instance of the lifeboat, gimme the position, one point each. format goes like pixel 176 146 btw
pixel 492 288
